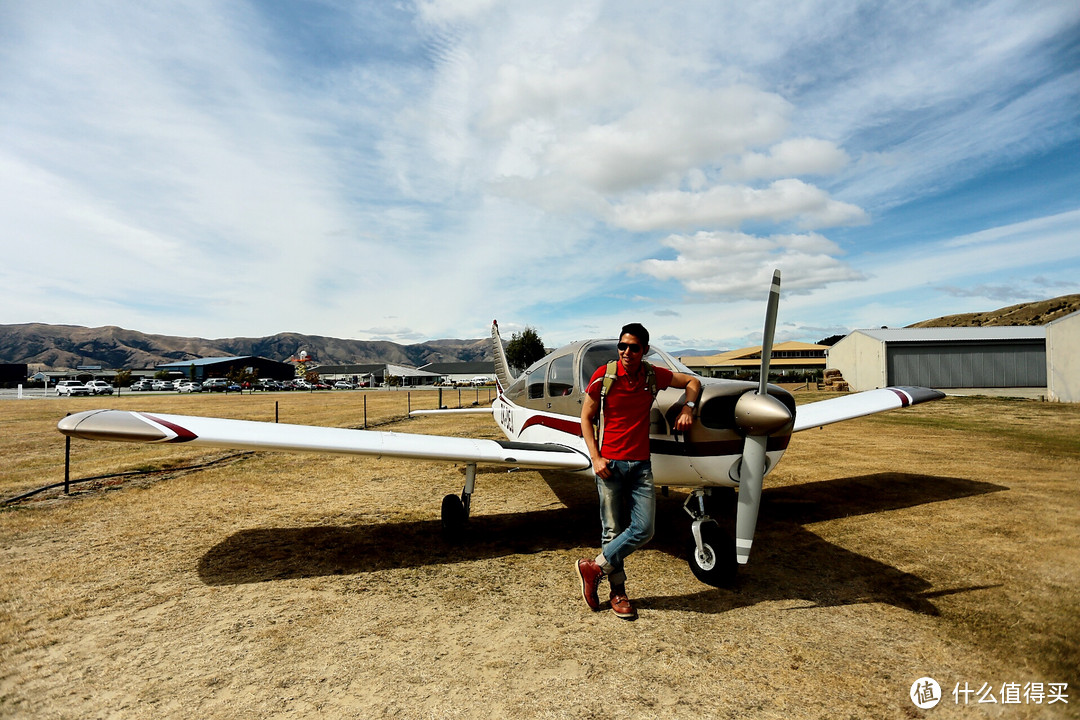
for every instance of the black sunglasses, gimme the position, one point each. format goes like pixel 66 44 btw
pixel 632 347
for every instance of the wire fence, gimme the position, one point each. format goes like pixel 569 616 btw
pixel 325 408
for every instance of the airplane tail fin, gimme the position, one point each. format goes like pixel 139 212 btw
pixel 503 376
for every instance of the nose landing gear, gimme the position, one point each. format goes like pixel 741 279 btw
pixel 711 551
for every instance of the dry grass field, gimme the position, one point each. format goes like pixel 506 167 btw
pixel 937 541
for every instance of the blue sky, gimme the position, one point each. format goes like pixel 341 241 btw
pixel 412 170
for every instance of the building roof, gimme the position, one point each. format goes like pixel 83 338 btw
pixel 751 356
pixel 354 369
pixel 199 362
pixel 460 368
pixel 403 371
pixel 954 334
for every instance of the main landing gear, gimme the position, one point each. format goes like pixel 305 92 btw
pixel 455 510
pixel 711 551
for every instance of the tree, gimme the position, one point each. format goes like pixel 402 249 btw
pixel 524 349
pixel 831 340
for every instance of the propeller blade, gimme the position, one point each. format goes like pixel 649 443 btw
pixel 751 476
pixel 759 417
pixel 769 331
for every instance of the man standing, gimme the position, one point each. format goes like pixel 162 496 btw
pixel 621 459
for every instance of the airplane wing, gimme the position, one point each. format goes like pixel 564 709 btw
pixel 846 407
pixel 126 426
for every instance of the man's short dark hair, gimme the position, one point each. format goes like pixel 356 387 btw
pixel 637 330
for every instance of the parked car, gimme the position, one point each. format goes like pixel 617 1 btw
pixel 162 385
pixel 344 385
pixel 216 385
pixel 72 387
pixel 100 387
pixel 143 384
pixel 189 386
pixel 233 387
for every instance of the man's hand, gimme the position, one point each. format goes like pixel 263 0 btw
pixel 600 468
pixel 685 419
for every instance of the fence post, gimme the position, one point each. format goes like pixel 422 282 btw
pixel 365 411
pixel 408 397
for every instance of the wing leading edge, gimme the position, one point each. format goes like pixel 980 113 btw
pixel 126 426
pixel 825 412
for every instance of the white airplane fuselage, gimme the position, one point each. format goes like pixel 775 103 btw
pixel 543 405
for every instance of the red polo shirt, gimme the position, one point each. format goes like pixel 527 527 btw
pixel 626 417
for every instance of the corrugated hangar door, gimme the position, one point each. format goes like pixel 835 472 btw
pixel 971 364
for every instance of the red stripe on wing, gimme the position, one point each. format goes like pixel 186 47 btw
pixel 182 434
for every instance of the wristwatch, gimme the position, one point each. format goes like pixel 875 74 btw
pixel 691 404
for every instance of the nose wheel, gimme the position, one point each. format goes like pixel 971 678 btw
pixel 711 551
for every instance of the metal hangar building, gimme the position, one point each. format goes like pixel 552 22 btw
pixel 951 357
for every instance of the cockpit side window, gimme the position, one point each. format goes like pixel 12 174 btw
pixel 536 381
pixel 561 376
pixel 596 355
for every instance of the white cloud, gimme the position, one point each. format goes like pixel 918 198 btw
pixel 797 156
pixel 732 205
pixel 718 265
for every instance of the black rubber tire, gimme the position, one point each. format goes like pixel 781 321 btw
pixel 453 516
pixel 717 566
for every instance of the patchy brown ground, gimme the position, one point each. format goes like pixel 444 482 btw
pixel 940 540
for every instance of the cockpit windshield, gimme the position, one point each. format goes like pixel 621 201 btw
pixel 602 352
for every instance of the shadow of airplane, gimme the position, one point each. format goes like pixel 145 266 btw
pixel 790 562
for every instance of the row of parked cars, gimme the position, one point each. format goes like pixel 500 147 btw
pixel 74 387
pixel 100 387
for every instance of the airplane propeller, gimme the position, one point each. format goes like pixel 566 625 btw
pixel 757 415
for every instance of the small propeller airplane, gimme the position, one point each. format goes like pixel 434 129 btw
pixel 740 432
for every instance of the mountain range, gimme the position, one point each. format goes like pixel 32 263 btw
pixel 65 347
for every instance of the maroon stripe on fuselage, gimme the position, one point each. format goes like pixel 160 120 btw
pixel 182 434
pixel 567 426
pixel 666 447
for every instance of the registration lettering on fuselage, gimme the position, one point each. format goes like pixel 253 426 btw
pixel 505 418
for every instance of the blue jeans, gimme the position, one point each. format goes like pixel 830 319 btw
pixel 627 513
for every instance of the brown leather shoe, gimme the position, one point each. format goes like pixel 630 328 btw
pixel 620 605
pixel 590 574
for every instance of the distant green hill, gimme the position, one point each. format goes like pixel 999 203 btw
pixel 1032 313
